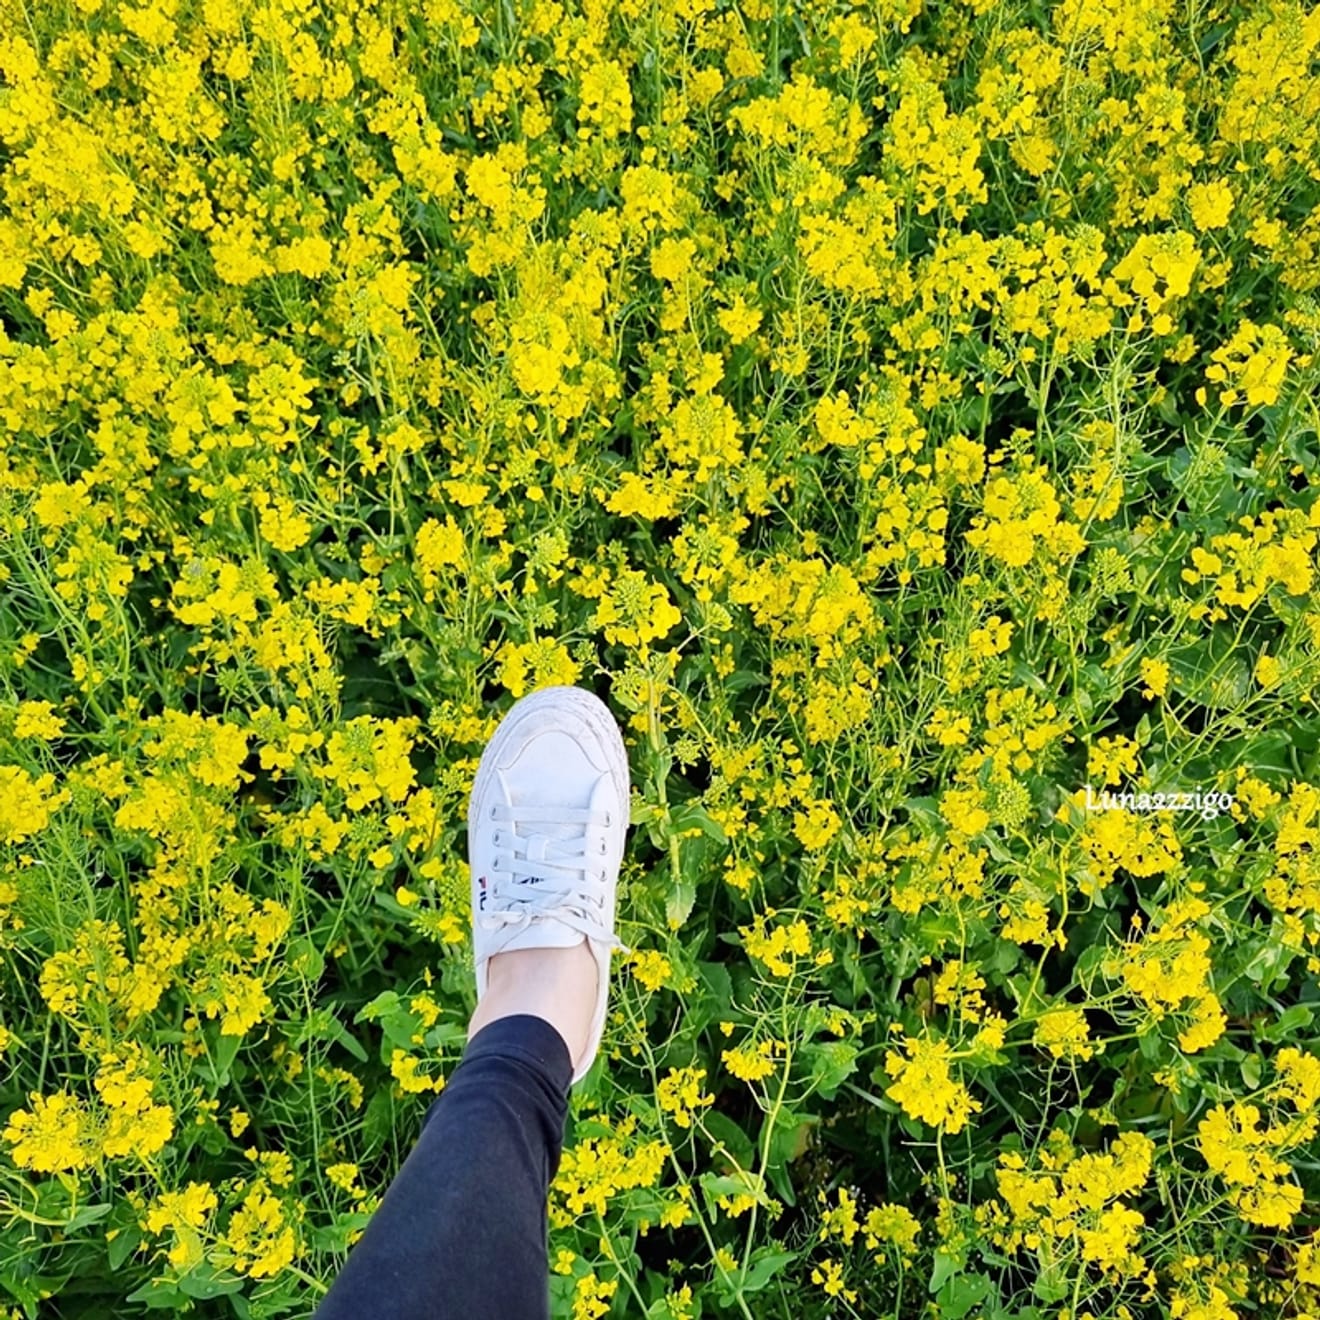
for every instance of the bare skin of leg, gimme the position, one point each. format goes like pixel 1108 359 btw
pixel 559 985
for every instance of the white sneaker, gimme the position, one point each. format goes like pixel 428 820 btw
pixel 547 821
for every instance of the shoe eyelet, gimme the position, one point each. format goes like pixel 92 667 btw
pixel 492 813
pixel 602 847
pixel 495 838
pixel 607 818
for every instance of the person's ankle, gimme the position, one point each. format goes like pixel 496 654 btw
pixel 556 984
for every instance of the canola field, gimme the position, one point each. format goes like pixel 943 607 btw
pixel 903 414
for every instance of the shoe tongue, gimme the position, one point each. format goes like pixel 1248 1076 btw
pixel 547 794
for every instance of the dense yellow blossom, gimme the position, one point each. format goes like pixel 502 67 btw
pixel 925 1086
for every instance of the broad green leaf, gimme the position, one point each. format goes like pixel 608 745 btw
pixel 765 1264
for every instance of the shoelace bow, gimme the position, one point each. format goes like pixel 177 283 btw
pixel 526 858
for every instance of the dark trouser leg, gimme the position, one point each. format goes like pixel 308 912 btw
pixel 462 1230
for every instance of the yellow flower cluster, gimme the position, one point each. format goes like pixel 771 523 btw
pixel 1240 1153
pixel 61 1132
pixel 753 1063
pixel 651 968
pixel 1110 840
pixel 1275 547
pixel 1171 966
pixel 225 601
pixel 261 1239
pixel 886 1225
pixel 404 1068
pixel 608 1160
pixel 27 802
pixel 542 662
pixel 1066 1034
pixel 634 610
pixel 807 600
pixel 1020 519
pixel 779 947
pixel 924 1085
pixel 937 151
pixel 1073 1202
pixel 368 759
pixel 1256 361
pixel 679 1093
pixel 591 1296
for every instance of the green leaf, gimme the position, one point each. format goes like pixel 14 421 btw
pixel 89 1214
pixel 831 1063
pixel 942 1267
pixel 223 1052
pixel 1288 1024
pixel 725 1129
pixel 305 958
pixel 323 1024
pixel 690 815
pixel 765 1264
pixel 1269 962
pixel 206 1281
pixel 378 1120
pixel 158 1294
pixel 120 1247
pixel 680 902
pixel 715 977
pixel 643 813
pixel 723 1184
pixel 1250 1069
pixel 962 1292
pixel 385 1002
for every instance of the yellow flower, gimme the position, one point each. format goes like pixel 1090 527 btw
pixel 635 610
pixel 1155 674
pixel 547 659
pixel 37 719
pixel 635 495
pixel 281 524
pixel 924 1088
pixel 680 1094
pixel 1255 360
pixel 816 826
pixel 1214 1306
pixel 1111 758
pixel 751 1065
pixel 1268 670
pixel 964 809
pixel 606 99
pixel 739 321
pixel 785 943
pixel 438 546
pixel 890 1223
pixel 651 968
pixel 829 1275
pixel 404 1070
pixel 1211 204
pixel 1299 1078
pixel 27 803
pixel 52 1136
pixel 260 1235
pixel 344 1176
pixel 368 758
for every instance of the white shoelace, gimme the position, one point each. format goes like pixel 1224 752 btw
pixel 526 858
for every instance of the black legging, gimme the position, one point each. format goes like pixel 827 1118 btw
pixel 462 1230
